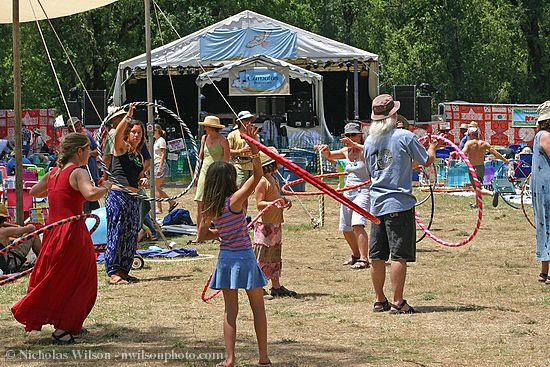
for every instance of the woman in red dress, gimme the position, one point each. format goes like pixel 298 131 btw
pixel 63 286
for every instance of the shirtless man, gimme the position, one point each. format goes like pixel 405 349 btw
pixel 475 149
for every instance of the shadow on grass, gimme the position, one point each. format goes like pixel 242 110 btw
pixel 165 277
pixel 461 308
pixel 109 344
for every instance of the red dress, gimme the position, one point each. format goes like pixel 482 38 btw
pixel 63 285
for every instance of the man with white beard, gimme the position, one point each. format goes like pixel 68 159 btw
pixel 389 156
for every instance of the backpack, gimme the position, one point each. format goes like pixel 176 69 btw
pixel 178 216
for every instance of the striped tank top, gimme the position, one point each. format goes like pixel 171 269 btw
pixel 232 229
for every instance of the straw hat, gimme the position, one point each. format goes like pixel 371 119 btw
pixel 464 126
pixel 544 111
pixel 265 159
pixel 473 124
pixel 212 121
pixel 3 211
pixel 245 115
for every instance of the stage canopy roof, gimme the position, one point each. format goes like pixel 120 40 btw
pixel 243 35
pixel 52 8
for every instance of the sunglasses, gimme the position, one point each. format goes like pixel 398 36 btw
pixel 351 135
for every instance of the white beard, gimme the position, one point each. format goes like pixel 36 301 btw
pixel 378 129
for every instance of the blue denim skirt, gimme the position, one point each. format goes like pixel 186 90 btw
pixel 237 269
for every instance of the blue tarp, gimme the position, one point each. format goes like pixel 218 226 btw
pixel 227 44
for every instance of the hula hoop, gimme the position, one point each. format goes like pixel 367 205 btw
pixel 431 213
pixel 12 277
pixel 479 200
pixel 206 298
pixel 312 180
pixel 285 187
pixel 523 187
pixel 102 132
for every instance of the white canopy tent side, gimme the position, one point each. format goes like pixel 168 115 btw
pixel 295 72
pixel 53 8
pixel 310 48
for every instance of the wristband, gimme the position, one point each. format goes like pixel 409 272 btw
pixel 253 156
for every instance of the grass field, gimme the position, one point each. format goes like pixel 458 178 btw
pixel 480 305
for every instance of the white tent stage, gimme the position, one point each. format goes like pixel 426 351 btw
pixel 295 72
pixel 247 34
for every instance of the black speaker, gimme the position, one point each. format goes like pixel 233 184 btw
pixel 300 119
pixel 424 104
pixel 99 99
pixel 406 94
pixel 75 108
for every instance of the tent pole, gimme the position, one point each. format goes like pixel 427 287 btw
pixel 355 90
pixel 199 107
pixel 150 119
pixel 17 111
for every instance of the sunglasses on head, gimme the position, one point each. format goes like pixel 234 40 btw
pixel 351 135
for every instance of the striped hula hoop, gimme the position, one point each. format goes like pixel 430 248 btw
pixel 12 277
pixel 477 188
pixel 102 131
pixel 206 298
pixel 285 189
pixel 312 179
pixel 523 189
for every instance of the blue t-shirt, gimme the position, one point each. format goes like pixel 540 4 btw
pixel 389 163
pixel 10 167
pixel 465 138
pixel 92 161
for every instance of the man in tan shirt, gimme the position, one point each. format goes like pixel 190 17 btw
pixel 239 149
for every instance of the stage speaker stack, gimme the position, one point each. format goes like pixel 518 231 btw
pixel 300 112
pixel 406 94
pixel 99 99
pixel 75 108
pixel 424 104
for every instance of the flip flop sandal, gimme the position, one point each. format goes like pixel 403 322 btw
pixel 381 306
pixel 58 339
pixel 543 277
pixel 120 281
pixel 361 264
pixel 398 309
pixel 352 260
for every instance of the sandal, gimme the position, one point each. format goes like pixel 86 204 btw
pixel 361 264
pixel 130 278
pixel 282 292
pixel 397 309
pixel 352 260
pixel 119 281
pixel 58 339
pixel 268 364
pixel 381 306
pixel 543 277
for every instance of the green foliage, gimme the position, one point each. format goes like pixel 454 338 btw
pixel 473 50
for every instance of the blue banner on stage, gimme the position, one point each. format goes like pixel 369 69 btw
pixel 227 44
pixel 259 81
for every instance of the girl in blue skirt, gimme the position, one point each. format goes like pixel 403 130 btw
pixel 237 266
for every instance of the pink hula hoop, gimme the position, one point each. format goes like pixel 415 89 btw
pixel 477 188
pixel 312 180
pixel 206 298
pixel 285 187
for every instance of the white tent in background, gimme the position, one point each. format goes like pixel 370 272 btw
pixel 191 51
pixel 295 72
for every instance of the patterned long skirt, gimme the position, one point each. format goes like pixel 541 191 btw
pixel 268 248
pixel 122 231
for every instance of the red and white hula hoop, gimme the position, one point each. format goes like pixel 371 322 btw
pixel 206 298
pixel 286 186
pixel 477 188
pixel 12 277
pixel 311 179
pixel 523 187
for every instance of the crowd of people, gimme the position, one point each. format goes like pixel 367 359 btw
pixel 232 169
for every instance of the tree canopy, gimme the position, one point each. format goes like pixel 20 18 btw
pixel 493 51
